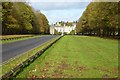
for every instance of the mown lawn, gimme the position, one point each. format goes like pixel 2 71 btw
pixel 76 57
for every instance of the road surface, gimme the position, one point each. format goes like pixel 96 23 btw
pixel 11 50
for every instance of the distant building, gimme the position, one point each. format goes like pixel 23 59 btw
pixel 52 30
pixel 62 29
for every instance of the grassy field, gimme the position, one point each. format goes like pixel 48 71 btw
pixel 19 59
pixel 76 57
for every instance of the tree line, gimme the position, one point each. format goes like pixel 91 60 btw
pixel 0 11
pixel 100 19
pixel 21 18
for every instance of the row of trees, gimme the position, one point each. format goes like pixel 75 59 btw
pixel 0 18
pixel 20 18
pixel 100 19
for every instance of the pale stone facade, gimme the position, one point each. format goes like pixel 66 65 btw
pixel 62 29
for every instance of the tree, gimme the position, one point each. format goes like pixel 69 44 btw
pixel 20 18
pixel 42 23
pixel 9 23
pixel 99 18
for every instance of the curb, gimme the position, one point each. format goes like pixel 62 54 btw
pixel 27 62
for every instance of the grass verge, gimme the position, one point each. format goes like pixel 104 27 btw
pixel 18 39
pixel 76 57
pixel 12 36
pixel 19 59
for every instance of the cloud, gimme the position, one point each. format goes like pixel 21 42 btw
pixel 58 5
pixel 59 0
pixel 63 15
pixel 61 11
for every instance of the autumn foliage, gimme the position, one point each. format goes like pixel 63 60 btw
pixel 100 19
pixel 20 18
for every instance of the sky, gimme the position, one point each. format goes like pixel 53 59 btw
pixel 60 10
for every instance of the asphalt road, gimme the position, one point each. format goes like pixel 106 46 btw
pixel 11 50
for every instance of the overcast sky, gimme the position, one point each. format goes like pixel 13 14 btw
pixel 60 11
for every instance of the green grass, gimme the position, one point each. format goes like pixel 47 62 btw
pixel 19 59
pixel 12 36
pixel 19 39
pixel 76 57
